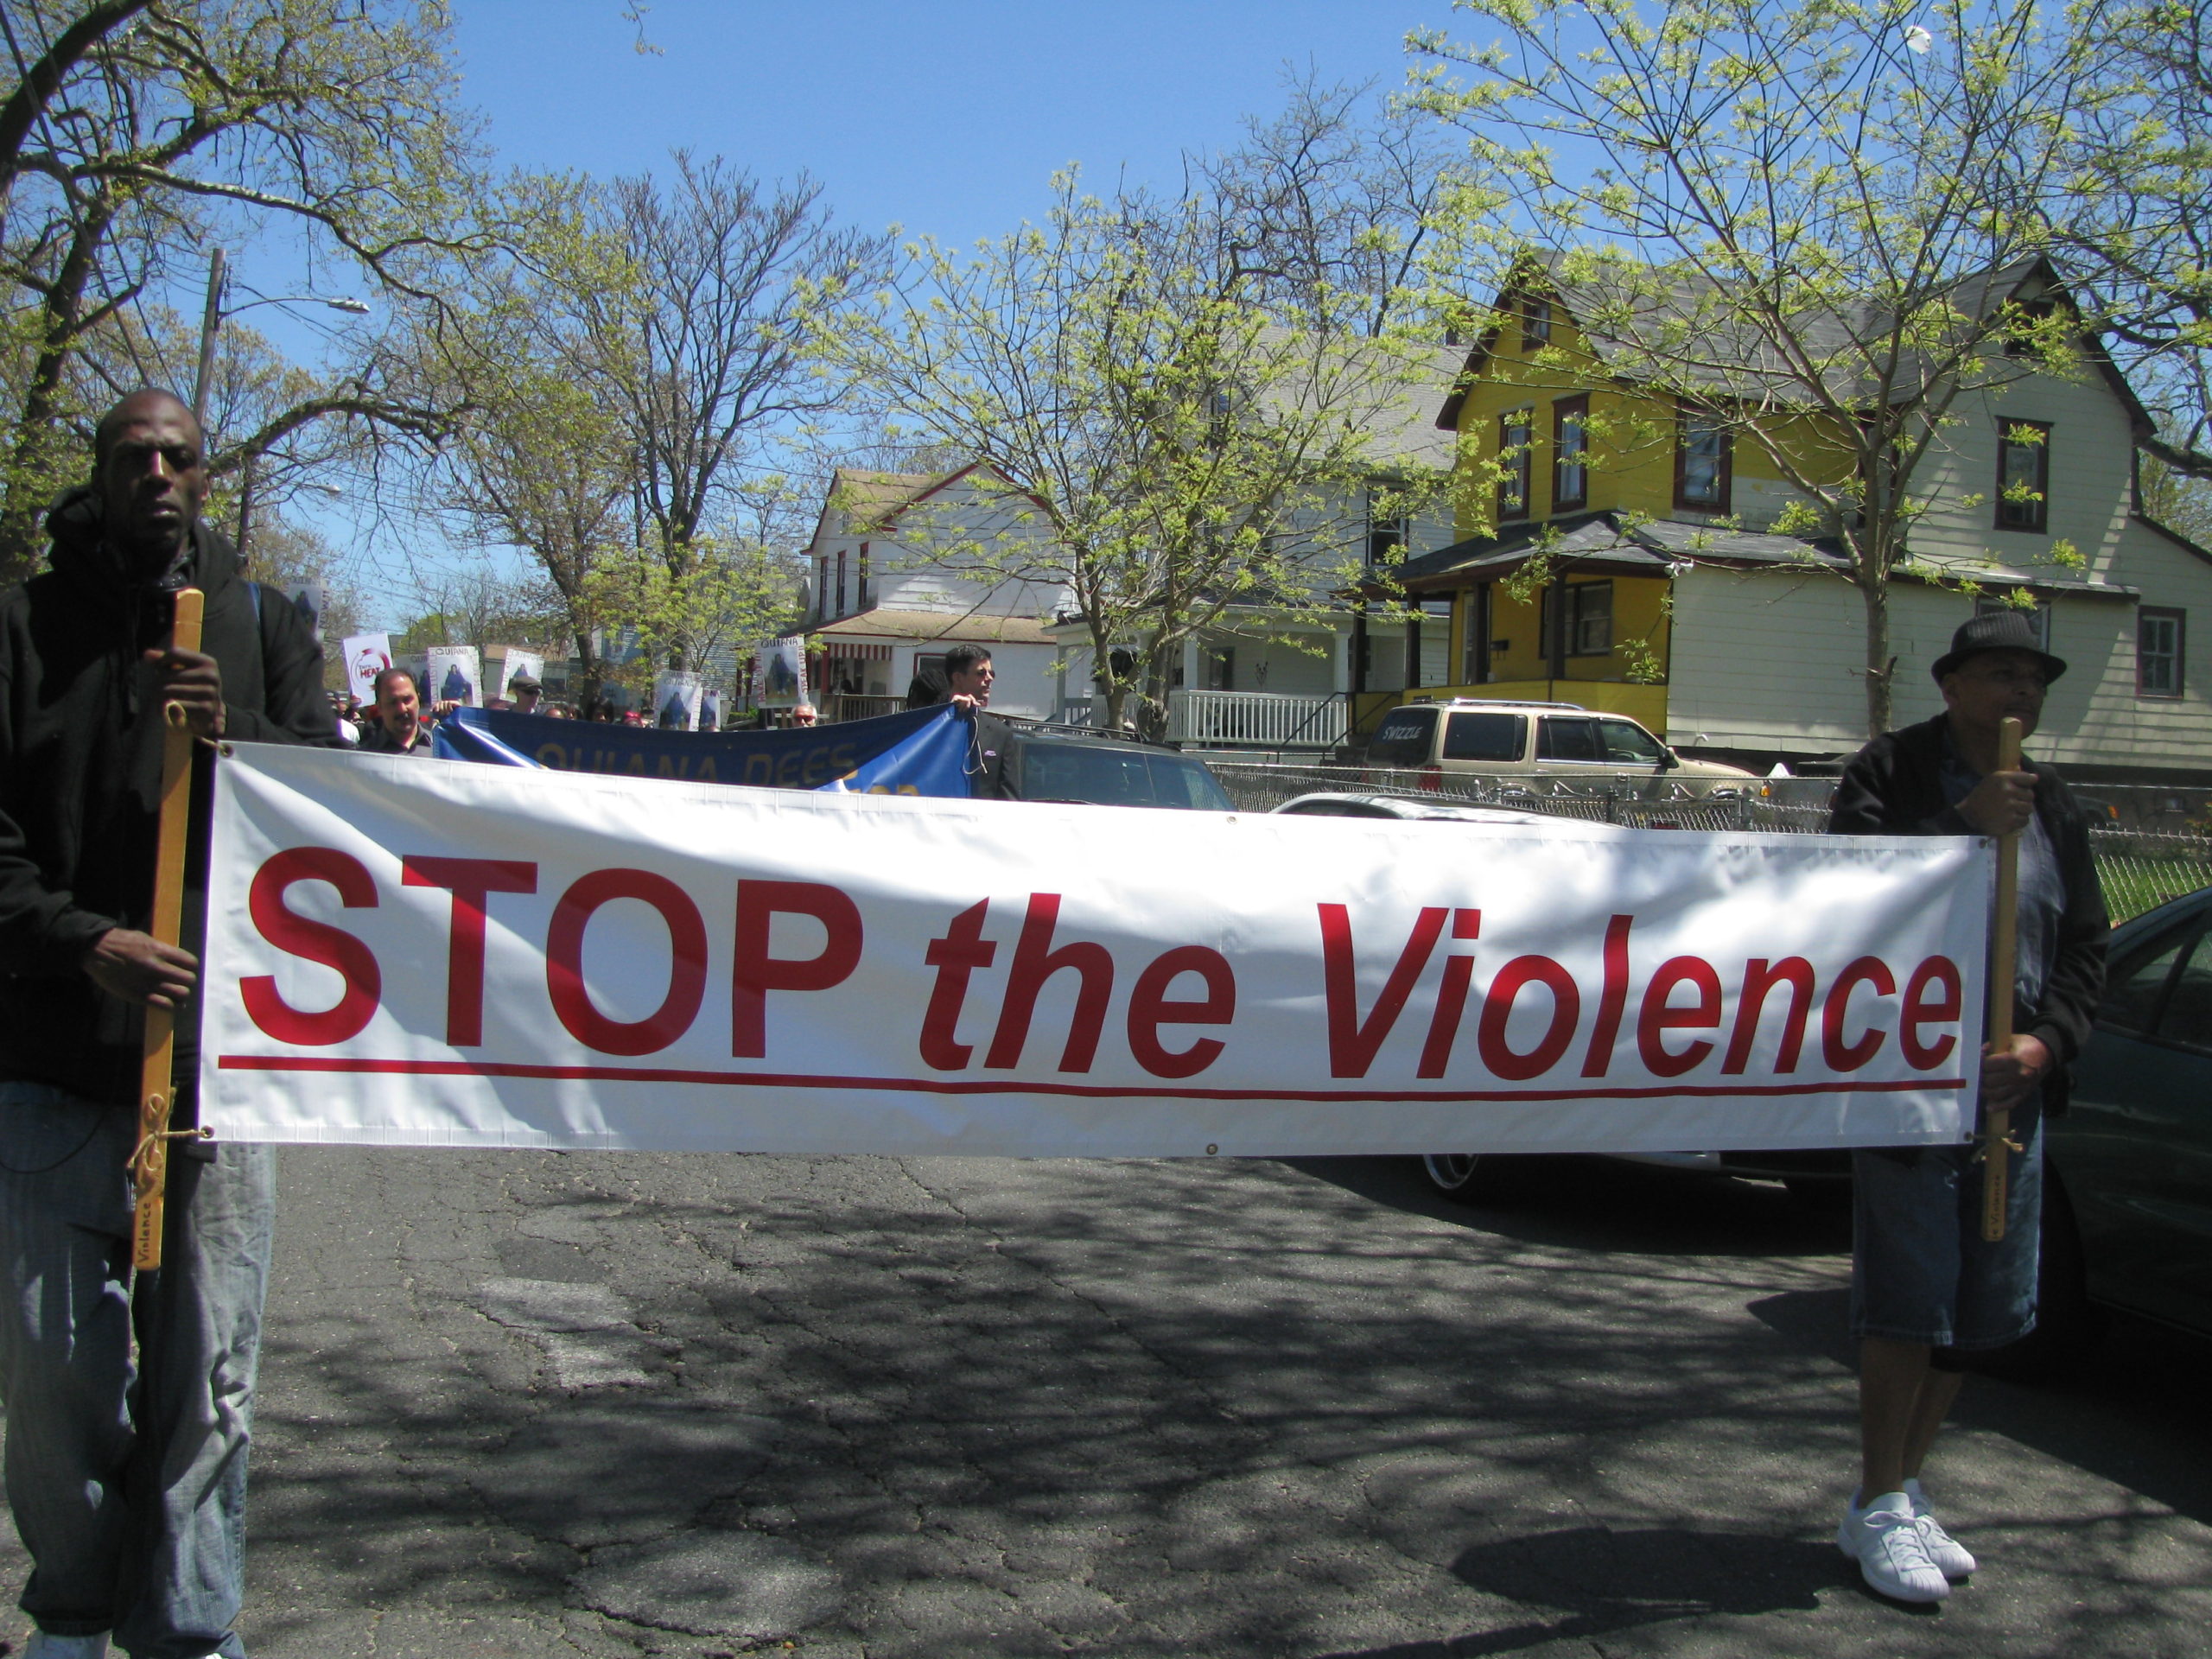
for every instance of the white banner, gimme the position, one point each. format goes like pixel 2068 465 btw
pixel 458 955
pixel 367 655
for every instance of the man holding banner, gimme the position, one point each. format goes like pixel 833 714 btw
pixel 127 1483
pixel 1927 1284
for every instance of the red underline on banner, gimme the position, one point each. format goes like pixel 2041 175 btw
pixel 326 1064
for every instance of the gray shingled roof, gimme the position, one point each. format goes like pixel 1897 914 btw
pixel 1652 547
pixel 1633 314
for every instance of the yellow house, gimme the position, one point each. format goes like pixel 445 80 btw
pixel 1619 549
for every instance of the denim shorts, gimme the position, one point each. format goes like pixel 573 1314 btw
pixel 1919 1269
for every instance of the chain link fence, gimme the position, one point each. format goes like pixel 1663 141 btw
pixel 2141 866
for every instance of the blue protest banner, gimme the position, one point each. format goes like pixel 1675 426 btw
pixel 920 752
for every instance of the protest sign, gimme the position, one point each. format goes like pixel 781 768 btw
pixel 467 955
pixel 919 752
pixel 307 599
pixel 455 675
pixel 519 662
pixel 676 701
pixel 367 655
pixel 779 674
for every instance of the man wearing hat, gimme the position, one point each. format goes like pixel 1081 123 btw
pixel 527 691
pixel 1925 1287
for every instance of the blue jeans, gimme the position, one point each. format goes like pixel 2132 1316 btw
pixel 1919 1269
pixel 127 1482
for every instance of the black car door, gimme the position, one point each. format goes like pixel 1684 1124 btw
pixel 2135 1149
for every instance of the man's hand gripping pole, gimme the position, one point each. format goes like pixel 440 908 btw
pixel 2003 953
pixel 149 1160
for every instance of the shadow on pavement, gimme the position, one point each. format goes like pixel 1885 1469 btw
pixel 1598 1204
pixel 1607 1580
pixel 2130 1415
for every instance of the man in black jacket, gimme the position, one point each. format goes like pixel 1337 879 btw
pixel 128 1492
pixel 1925 1286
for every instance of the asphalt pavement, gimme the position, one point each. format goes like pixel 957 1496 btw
pixel 522 1404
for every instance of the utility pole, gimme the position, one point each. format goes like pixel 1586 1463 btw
pixel 210 320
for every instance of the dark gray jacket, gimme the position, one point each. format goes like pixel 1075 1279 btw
pixel 1895 787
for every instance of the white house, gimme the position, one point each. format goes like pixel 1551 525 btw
pixel 1279 676
pixel 890 597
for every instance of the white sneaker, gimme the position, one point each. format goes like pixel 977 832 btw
pixel 44 1645
pixel 1951 1556
pixel 1883 1538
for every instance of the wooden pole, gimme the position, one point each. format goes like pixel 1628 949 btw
pixel 150 1164
pixel 2003 953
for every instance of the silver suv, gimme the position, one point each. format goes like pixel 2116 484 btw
pixel 1532 742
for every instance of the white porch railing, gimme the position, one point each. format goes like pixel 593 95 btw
pixel 1263 718
pixel 846 705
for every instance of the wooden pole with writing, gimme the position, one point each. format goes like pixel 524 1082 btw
pixel 149 1163
pixel 2003 953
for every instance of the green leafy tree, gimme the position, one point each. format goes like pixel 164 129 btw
pixel 1810 221
pixel 138 139
pixel 1147 435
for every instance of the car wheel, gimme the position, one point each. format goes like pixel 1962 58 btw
pixel 1474 1178
pixel 2068 1326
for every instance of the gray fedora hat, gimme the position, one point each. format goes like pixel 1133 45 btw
pixel 2005 630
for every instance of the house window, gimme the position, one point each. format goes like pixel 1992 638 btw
pixel 822 586
pixel 1589 618
pixel 1513 429
pixel 860 602
pixel 1535 324
pixel 1704 459
pixel 1221 668
pixel 841 582
pixel 2038 614
pixel 2158 639
pixel 1570 453
pixel 2023 475
pixel 1387 533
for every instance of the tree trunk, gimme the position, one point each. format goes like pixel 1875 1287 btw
pixel 1874 591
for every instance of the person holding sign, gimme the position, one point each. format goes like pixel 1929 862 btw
pixel 126 1478
pixel 1928 1285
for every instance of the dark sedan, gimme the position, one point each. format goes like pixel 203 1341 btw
pixel 2127 1213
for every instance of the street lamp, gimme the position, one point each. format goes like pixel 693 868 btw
pixel 212 320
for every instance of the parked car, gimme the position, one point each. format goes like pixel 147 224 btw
pixel 1036 761
pixel 1408 809
pixel 1531 742
pixel 2127 1196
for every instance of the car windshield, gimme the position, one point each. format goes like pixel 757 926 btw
pixel 1403 738
pixel 1114 774
pixel 1624 740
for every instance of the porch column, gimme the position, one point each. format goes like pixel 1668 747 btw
pixel 1191 679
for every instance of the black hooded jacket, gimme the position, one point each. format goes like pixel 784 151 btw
pixel 80 748
pixel 1895 787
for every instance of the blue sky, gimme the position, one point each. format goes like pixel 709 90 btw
pixel 946 117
